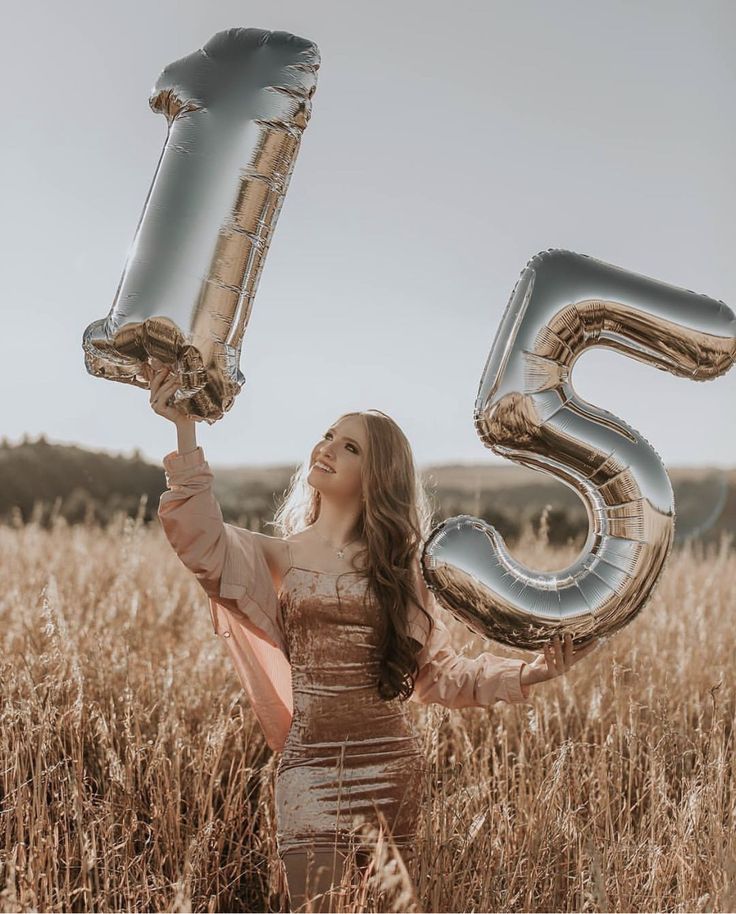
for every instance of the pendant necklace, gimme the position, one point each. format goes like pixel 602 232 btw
pixel 341 550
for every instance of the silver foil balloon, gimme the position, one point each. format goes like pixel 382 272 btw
pixel 236 111
pixel 527 410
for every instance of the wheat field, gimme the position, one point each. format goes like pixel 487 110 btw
pixel 135 778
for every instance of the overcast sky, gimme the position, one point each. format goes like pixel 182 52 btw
pixel 449 142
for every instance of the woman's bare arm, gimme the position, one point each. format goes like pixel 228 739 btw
pixel 186 435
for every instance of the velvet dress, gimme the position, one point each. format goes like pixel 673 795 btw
pixel 308 658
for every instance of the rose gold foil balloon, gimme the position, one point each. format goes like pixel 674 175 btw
pixel 236 111
pixel 527 410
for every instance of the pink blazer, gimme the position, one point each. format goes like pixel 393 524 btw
pixel 230 565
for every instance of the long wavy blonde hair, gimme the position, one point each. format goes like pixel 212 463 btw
pixel 395 521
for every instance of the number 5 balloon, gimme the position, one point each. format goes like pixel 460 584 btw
pixel 528 411
pixel 236 111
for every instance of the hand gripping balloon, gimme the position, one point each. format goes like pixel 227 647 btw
pixel 528 411
pixel 236 111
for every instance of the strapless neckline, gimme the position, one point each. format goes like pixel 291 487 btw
pixel 315 571
pixel 332 574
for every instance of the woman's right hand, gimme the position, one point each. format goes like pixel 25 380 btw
pixel 163 383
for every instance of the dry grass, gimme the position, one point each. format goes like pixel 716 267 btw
pixel 134 777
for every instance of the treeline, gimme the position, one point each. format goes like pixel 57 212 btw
pixel 40 482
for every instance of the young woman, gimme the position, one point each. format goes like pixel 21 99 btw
pixel 331 628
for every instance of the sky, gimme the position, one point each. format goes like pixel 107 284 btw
pixel 449 143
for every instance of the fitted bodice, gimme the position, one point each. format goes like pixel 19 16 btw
pixel 334 630
pixel 333 627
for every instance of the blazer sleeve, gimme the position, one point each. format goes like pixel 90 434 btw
pixel 227 560
pixel 447 678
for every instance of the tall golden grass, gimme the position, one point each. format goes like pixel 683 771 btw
pixel 134 776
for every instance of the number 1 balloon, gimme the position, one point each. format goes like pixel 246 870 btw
pixel 236 111
pixel 527 410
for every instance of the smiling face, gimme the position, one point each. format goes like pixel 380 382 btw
pixel 342 450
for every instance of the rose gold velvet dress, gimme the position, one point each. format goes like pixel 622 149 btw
pixel 348 752
pixel 307 658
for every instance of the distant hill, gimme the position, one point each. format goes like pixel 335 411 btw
pixel 39 480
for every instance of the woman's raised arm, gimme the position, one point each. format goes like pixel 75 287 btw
pixel 228 561
pixel 191 517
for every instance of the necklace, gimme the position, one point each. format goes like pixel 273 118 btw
pixel 341 550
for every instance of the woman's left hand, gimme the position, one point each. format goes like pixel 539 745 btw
pixel 555 660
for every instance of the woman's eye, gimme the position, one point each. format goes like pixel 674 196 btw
pixel 352 446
